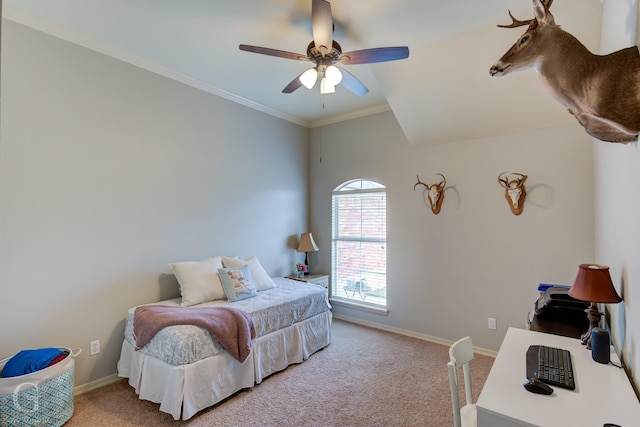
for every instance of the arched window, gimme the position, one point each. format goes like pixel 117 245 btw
pixel 359 243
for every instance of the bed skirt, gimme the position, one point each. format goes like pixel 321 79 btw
pixel 183 390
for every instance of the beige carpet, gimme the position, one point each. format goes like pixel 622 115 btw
pixel 366 377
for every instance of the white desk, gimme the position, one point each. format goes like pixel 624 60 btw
pixel 603 393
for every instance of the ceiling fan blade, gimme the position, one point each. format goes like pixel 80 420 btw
pixel 352 83
pixel 294 85
pixel 378 54
pixel 322 25
pixel 274 52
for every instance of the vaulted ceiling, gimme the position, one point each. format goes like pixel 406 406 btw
pixel 441 93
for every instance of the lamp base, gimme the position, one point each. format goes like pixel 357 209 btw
pixel 594 315
pixel 306 262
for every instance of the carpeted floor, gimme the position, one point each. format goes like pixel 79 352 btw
pixel 366 377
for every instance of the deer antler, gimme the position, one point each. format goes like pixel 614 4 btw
pixel 532 23
pixel 442 183
pixel 418 183
pixel 522 179
pixel 515 23
pixel 504 182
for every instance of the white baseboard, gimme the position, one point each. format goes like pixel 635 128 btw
pixel 83 388
pixel 479 350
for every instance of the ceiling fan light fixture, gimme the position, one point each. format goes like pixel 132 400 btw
pixel 326 86
pixel 324 52
pixel 333 75
pixel 309 78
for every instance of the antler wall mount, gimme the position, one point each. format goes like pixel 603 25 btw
pixel 514 190
pixel 435 192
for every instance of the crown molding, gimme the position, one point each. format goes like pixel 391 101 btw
pixel 380 108
pixel 13 14
pixel 18 16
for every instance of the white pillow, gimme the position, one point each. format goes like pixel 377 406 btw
pixel 260 277
pixel 199 280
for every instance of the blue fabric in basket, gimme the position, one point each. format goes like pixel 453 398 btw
pixel 27 361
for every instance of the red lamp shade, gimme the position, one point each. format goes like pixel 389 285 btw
pixel 593 284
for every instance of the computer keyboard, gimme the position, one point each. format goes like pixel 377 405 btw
pixel 551 365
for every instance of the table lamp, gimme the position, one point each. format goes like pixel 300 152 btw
pixel 593 284
pixel 306 245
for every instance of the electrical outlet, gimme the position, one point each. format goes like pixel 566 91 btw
pixel 95 347
pixel 492 323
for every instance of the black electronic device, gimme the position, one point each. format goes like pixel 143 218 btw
pixel 600 345
pixel 556 303
pixel 534 385
pixel 551 365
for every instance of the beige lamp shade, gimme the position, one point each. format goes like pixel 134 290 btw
pixel 307 244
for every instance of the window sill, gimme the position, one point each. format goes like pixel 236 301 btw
pixel 359 306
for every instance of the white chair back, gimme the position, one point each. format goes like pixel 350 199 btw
pixel 460 354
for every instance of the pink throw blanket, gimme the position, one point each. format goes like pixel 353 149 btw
pixel 234 328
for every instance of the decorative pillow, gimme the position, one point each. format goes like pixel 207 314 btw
pixel 259 276
pixel 199 280
pixel 237 283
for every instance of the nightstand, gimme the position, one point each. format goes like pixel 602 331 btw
pixel 317 279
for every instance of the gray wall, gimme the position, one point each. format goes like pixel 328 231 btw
pixel 448 273
pixel 107 174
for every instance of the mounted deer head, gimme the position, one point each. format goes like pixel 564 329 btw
pixel 435 193
pixel 601 91
pixel 514 190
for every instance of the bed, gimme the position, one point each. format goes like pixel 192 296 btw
pixel 185 369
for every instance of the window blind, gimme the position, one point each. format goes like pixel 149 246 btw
pixel 359 236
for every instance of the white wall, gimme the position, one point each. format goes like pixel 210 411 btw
pixel 107 174
pixel 617 203
pixel 448 273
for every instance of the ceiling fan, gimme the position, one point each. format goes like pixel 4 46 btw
pixel 325 52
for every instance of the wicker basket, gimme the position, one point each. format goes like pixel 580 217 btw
pixel 42 398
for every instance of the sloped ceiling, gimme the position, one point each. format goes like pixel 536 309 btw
pixel 445 93
pixel 441 93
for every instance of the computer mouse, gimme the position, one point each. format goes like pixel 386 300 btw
pixel 534 385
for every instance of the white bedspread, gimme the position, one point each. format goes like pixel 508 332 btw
pixel 288 303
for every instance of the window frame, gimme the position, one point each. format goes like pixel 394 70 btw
pixel 374 303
